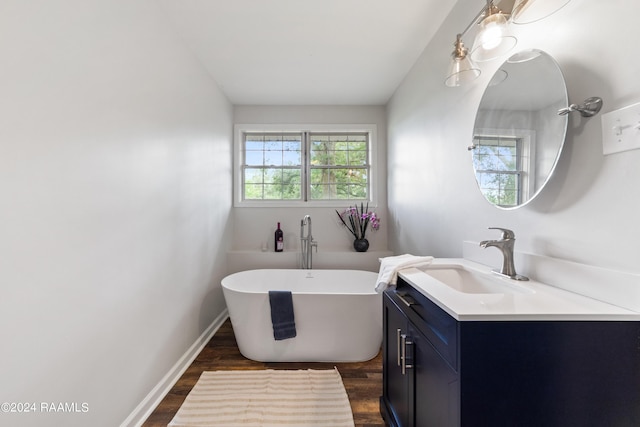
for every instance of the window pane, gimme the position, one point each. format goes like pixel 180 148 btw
pixel 273 158
pixel 254 143
pixel 253 191
pixel 358 143
pixel 358 176
pixel 273 142
pixel 291 143
pixel 319 142
pixel 316 176
pixel 321 155
pixel 292 158
pixel 272 176
pixel 338 150
pixel 254 158
pixel 253 176
pixel 274 183
pixel 341 183
pixel 357 158
pixel 253 188
pixel 357 191
pixel 272 192
pixel 323 191
pixel 281 156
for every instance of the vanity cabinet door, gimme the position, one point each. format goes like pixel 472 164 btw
pixel 436 386
pixel 426 392
pixel 396 401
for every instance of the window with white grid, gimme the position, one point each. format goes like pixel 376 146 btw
pixel 338 166
pixel 306 167
pixel 272 168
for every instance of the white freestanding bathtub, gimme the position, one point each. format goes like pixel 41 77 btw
pixel 338 315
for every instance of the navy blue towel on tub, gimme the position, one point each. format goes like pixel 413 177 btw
pixel 284 325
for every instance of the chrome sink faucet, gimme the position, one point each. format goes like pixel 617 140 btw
pixel 505 244
pixel 307 243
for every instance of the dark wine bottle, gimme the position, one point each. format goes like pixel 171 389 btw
pixel 279 239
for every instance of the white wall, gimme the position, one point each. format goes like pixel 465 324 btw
pixel 254 227
pixel 114 217
pixel 589 211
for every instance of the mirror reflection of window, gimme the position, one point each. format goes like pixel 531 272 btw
pixel 502 168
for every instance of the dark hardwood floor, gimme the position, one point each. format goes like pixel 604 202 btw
pixel 363 380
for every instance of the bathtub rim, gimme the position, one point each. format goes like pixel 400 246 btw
pixel 304 273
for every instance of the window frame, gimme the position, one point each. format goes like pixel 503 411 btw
pixel 238 154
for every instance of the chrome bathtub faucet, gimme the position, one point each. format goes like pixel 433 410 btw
pixel 307 243
pixel 505 244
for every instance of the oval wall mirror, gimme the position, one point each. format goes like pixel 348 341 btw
pixel 518 135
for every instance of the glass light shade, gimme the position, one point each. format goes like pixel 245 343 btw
pixel 494 38
pixel 528 11
pixel 461 71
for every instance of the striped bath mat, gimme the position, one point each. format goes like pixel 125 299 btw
pixel 266 398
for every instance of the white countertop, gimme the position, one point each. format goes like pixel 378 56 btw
pixel 538 302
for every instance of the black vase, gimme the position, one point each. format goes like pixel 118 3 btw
pixel 361 245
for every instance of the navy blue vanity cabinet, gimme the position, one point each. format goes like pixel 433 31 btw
pixel 396 383
pixel 550 373
pixel 505 373
pixel 420 386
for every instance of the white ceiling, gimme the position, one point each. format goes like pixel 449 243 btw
pixel 307 52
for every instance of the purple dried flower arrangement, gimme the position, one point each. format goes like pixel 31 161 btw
pixel 358 220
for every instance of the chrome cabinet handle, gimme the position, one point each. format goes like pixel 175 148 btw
pixel 407 303
pixel 405 342
pixel 398 332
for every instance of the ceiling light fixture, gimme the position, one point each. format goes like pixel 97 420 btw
pixel 495 38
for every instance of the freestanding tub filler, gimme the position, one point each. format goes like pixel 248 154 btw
pixel 338 314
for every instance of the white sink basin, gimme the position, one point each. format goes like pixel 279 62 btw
pixel 467 281
pixel 469 291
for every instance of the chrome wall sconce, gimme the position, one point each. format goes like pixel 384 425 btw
pixel 494 37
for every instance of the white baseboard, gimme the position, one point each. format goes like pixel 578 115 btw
pixel 155 396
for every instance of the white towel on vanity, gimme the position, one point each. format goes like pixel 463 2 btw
pixel 389 267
